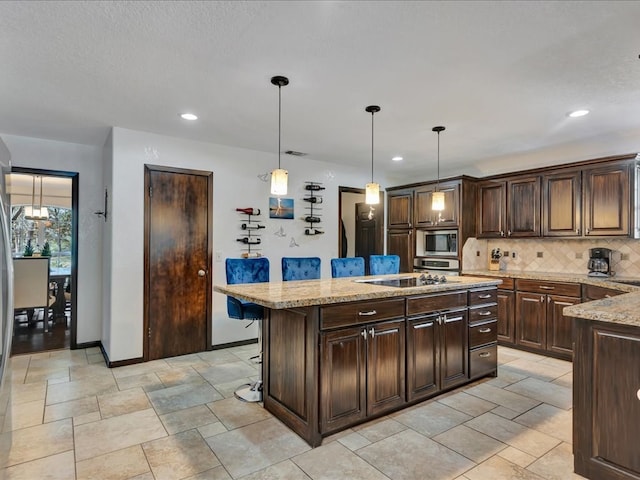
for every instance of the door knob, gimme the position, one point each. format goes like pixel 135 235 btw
pixel 201 273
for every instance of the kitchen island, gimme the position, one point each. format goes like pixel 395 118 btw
pixel 342 351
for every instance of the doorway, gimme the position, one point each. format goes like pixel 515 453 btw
pixel 52 232
pixel 361 226
pixel 177 261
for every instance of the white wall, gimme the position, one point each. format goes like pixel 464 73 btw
pixel 107 233
pixel 86 160
pixel 237 183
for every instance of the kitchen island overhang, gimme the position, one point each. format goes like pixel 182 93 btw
pixel 338 352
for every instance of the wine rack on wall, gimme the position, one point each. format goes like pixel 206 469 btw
pixel 313 214
pixel 249 236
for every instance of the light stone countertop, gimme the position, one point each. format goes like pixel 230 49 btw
pixel 623 309
pixel 305 293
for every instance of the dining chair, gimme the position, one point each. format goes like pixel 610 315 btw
pixel 384 264
pixel 31 289
pixel 300 268
pixel 347 267
pixel 248 270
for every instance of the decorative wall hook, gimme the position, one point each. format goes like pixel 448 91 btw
pixel 104 213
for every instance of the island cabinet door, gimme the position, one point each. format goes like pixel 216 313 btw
pixel 343 380
pixel 385 366
pixel 423 363
pixel 531 319
pixel 560 327
pixel 454 349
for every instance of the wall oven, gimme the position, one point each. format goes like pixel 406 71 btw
pixel 437 243
pixel 436 266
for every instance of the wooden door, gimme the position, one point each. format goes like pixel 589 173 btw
pixel 177 261
pixel 531 318
pixel 492 201
pixel 523 211
pixel 367 239
pixel 423 364
pixel 606 200
pixel 343 383
pixel 400 206
pixel 559 327
pixel 454 349
pixel 385 366
pixel 506 316
pixel 400 242
pixel 562 204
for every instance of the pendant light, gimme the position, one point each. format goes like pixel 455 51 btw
pixel 437 198
pixel 34 212
pixel 372 190
pixel 279 176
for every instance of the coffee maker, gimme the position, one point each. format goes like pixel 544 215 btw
pixel 599 262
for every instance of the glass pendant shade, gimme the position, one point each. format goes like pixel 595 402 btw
pixel 35 213
pixel 372 194
pixel 437 201
pixel 279 178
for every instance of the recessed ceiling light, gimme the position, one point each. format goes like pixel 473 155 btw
pixel 188 116
pixel 397 158
pixel 579 113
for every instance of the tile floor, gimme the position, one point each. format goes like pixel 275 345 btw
pixel 64 415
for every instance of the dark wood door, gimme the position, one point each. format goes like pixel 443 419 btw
pixel 177 262
pixel 343 383
pixel 424 215
pixel 400 242
pixel 367 239
pixel 492 201
pixel 385 366
pixel 400 206
pixel 523 210
pixel 423 363
pixel 562 204
pixel 606 200
pixel 454 349
pixel 506 316
pixel 559 327
pixel 531 318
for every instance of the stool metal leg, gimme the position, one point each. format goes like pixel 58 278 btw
pixel 252 392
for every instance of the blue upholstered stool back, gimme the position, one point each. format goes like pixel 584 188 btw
pixel 347 267
pixel 246 270
pixel 300 268
pixel 384 264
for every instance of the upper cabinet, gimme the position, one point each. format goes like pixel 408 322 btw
pixel 426 217
pixel 562 204
pixel 492 209
pixel 606 200
pixel 400 209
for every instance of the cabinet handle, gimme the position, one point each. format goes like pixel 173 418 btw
pixel 454 319
pixel 367 314
pixel 484 314
pixel 638 394
pixel 577 231
pixel 364 333
pixel 509 233
pixel 545 287
pixel 484 330
pixel 586 231
pixel 607 296
pixel 387 332
pixel 501 233
pixel 372 332
pixel 423 325
pixel 541 299
pixel 488 295
pixel 484 354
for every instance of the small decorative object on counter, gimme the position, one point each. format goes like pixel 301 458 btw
pixel 494 261
pixel 313 214
pixel 28 249
pixel 249 235
pixel 46 250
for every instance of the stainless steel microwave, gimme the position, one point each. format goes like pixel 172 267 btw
pixel 441 242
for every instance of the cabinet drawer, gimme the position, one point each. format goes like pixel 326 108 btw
pixel 480 297
pixel 483 333
pixel 484 313
pixel 439 301
pixel 507 284
pixel 594 292
pixel 483 360
pixel 551 288
pixel 346 314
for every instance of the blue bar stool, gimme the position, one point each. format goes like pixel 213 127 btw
pixel 384 264
pixel 248 270
pixel 347 267
pixel 300 268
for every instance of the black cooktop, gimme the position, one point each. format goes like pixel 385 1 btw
pixel 405 282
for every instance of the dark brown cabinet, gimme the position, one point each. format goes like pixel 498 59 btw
pixel 562 204
pixel 400 209
pixel 606 400
pixel 596 292
pixel 426 217
pixel 400 242
pixel 492 209
pixel 606 200
pixel 483 332
pixel 506 312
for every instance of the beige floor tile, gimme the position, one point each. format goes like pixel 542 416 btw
pixel 470 443
pixel 73 408
pixel 86 418
pixel 497 468
pixel 226 372
pixel 96 358
pixel 505 377
pixel 516 456
pixel 354 441
pixel 180 397
pixel 431 419
pixel 179 456
pixel 217 357
pixel 378 429
pixel 254 447
pixel 140 369
pixel 180 375
pixel 512 433
pixel 337 436
pixel 505 412
pixel 120 403
pixel 55 467
pixel 551 420
pixel 119 465
pixel 55 381
pixel 144 476
pixel 402 457
pixel 283 470
pixel 234 413
pixel 212 429
pixel 556 465
pixel 148 381
pixel 539 370
pixel 546 392
pixel 228 389
pixel 23 415
pixel 190 360
pixel 335 461
pixel 188 419
pixel 64 392
pixel 565 380
pixel 468 404
pixel 28 392
pixel 216 473
pixel 513 401
pixel 89 371
pixel 104 436
pixel 36 442
pixel 40 374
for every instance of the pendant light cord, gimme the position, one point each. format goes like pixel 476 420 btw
pixel 438 177
pixel 40 194
pixel 372 146
pixel 279 121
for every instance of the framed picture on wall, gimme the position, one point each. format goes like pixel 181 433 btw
pixel 281 208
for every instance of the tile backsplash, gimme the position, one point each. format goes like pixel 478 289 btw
pixel 550 255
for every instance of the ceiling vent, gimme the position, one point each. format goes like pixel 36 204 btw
pixel 295 154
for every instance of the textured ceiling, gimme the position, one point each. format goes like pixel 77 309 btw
pixel 501 76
